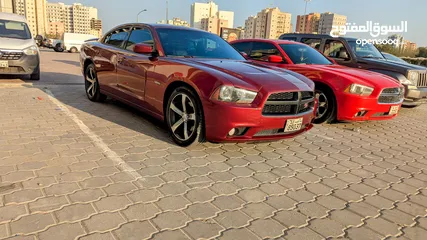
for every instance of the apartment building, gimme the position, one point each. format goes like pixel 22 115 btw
pixel 213 24
pixel 76 18
pixel 227 16
pixel 35 12
pixel 329 20
pixel 208 16
pixel 56 29
pixel 270 23
pixel 176 22
pixel 308 23
pixel 6 6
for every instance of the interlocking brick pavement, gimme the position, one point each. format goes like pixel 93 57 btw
pixel 341 181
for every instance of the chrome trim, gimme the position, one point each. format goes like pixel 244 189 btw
pixel 290 116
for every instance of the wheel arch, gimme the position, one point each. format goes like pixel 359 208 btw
pixel 168 92
pixel 319 84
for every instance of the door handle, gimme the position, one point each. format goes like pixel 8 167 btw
pixel 120 59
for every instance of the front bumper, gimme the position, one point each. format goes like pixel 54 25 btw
pixel 220 118
pixel 415 96
pixel 356 108
pixel 24 66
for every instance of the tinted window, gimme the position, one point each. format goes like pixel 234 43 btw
pixel 117 38
pixel 303 54
pixel 198 44
pixel 139 36
pixel 312 42
pixel 261 51
pixel 242 47
pixel 12 29
pixel 336 49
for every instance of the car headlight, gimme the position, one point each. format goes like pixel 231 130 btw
pixel 360 89
pixel 413 77
pixel 33 50
pixel 235 95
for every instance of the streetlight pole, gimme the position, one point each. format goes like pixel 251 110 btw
pixel 305 12
pixel 137 16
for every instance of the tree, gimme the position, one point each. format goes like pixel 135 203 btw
pixel 422 52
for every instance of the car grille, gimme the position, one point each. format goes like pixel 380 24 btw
pixel 10 55
pixel 12 70
pixel 288 103
pixel 422 81
pixel 391 95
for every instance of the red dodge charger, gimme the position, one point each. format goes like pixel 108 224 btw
pixel 343 93
pixel 197 83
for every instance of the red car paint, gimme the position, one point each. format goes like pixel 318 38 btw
pixel 142 82
pixel 338 78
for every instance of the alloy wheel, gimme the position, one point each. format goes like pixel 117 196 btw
pixel 91 83
pixel 323 104
pixel 182 117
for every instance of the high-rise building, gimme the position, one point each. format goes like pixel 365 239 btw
pixel 227 16
pixel 213 24
pixel 175 21
pixel 308 23
pixel 77 18
pixel 96 27
pixel 210 10
pixel 328 21
pixel 56 29
pixel 269 23
pixel 200 11
pixel 6 6
pixel 35 12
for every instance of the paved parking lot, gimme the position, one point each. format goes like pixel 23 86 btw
pixel 73 169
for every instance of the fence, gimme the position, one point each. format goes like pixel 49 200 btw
pixel 417 61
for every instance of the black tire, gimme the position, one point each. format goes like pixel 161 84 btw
pixel 36 75
pixel 73 50
pixel 93 91
pixel 58 48
pixel 191 116
pixel 329 113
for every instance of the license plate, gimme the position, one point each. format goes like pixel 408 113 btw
pixel 4 64
pixel 393 110
pixel 293 125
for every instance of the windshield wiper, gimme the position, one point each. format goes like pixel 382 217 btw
pixel 372 57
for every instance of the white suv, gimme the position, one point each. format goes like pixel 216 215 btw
pixel 19 54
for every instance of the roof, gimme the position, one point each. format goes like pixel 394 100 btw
pixel 12 17
pixel 306 34
pixel 278 41
pixel 158 25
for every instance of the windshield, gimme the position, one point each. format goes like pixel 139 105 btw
pixel 304 54
pixel 393 58
pixel 197 44
pixel 12 29
pixel 365 51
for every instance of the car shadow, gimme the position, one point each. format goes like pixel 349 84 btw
pixel 74 97
pixel 74 63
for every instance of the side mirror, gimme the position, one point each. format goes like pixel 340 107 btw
pixel 275 59
pixel 143 48
pixel 245 55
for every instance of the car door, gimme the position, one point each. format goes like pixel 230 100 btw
pixel 338 51
pixel 106 60
pixel 133 68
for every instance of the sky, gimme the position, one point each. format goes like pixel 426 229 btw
pixel 384 12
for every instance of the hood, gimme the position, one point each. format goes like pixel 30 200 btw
pixel 391 64
pixel 16 44
pixel 355 75
pixel 250 75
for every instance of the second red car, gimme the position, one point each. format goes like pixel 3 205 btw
pixel 343 93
